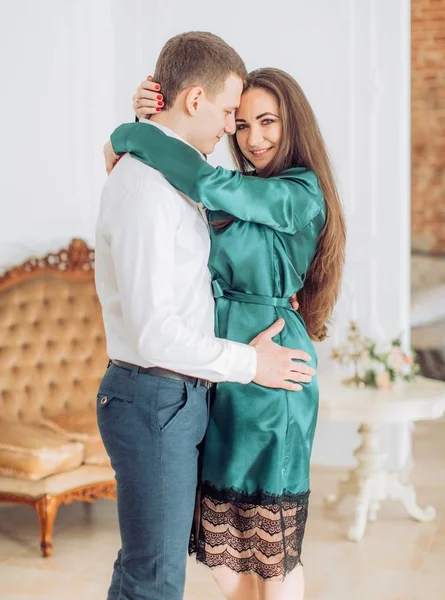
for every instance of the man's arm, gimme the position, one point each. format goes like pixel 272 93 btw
pixel 143 250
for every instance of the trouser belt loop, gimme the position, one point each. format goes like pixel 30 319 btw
pixel 134 372
pixel 197 383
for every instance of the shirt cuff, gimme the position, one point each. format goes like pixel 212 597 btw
pixel 244 363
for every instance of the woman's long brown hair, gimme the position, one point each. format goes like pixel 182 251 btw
pixel 302 145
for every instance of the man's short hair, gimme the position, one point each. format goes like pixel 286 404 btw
pixel 196 58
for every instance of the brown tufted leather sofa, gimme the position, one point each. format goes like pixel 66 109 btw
pixel 52 357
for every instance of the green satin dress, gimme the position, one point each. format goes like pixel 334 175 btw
pixel 255 470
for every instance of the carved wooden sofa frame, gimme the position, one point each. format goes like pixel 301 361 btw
pixel 30 296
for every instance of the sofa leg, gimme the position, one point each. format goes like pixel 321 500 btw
pixel 46 508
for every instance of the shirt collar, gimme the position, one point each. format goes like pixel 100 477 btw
pixel 171 133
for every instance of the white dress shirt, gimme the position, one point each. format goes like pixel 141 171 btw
pixel 152 249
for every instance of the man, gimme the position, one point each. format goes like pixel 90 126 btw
pixel 152 249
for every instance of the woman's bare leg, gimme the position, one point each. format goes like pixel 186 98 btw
pixel 236 586
pixel 243 586
pixel 292 588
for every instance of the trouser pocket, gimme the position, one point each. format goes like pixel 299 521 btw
pixel 172 398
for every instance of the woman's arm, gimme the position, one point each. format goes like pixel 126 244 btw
pixel 286 203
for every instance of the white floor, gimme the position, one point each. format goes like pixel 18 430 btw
pixel 399 559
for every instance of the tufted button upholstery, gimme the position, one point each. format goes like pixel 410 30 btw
pixel 52 356
pixel 71 334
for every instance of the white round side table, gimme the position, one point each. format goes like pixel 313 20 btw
pixel 370 482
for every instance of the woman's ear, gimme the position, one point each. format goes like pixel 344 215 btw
pixel 192 100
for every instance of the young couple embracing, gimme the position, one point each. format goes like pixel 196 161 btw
pixel 213 284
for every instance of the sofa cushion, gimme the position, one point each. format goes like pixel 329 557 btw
pixel 81 426
pixel 85 475
pixel 95 453
pixel 34 451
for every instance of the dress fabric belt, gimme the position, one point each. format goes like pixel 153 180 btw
pixel 221 289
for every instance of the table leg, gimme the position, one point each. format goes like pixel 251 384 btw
pixel 345 487
pixel 365 482
pixel 362 505
pixel 373 511
pixel 370 483
pixel 405 493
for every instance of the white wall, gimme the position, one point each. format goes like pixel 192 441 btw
pixel 57 106
pixel 70 69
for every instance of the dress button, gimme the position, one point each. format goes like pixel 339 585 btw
pixel 104 400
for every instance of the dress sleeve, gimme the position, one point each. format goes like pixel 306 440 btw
pixel 286 203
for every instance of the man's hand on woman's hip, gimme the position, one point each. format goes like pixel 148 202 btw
pixel 276 366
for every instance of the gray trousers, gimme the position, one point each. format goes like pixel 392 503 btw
pixel 151 428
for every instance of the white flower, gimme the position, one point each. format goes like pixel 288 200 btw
pixel 376 366
pixel 382 348
pixel 405 369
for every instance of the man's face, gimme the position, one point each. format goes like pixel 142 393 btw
pixel 216 116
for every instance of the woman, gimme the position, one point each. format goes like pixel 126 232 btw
pixel 276 226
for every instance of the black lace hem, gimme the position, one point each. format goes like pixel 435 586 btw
pixel 260 533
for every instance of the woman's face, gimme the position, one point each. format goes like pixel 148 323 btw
pixel 258 127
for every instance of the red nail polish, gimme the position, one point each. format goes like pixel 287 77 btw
pixel 158 110
pixel 160 104
pixel 157 87
pixel 159 97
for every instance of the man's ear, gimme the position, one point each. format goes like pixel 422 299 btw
pixel 194 96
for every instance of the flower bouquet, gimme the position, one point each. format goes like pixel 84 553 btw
pixel 375 364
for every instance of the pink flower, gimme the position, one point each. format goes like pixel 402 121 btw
pixel 408 360
pixel 396 359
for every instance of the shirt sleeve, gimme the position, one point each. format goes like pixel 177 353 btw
pixel 142 245
pixel 286 203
